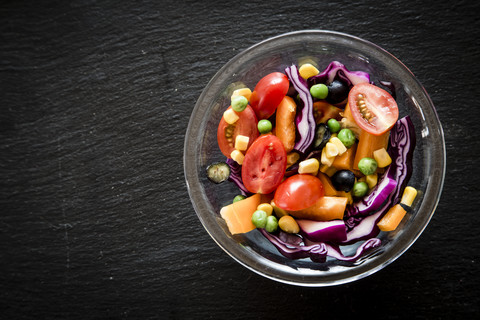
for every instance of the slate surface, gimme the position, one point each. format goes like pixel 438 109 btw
pixel 95 217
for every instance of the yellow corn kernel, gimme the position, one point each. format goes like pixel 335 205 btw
pixel 328 170
pixel 309 166
pixel 308 70
pixel 246 92
pixel 241 142
pixel 292 158
pixel 371 180
pixel 339 144
pixel 409 194
pixel 279 212
pixel 331 150
pixel 382 157
pixel 326 160
pixel 237 156
pixel 230 116
pixel 267 207
pixel 362 179
pixel 288 224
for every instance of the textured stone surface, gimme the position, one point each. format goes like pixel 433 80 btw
pixel 95 217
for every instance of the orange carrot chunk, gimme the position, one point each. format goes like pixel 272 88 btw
pixel 367 144
pixel 285 123
pixel 238 215
pixel 327 184
pixel 392 218
pixel 325 209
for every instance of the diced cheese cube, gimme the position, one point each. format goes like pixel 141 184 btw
pixel 309 166
pixel 230 116
pixel 237 156
pixel 340 146
pixel 241 142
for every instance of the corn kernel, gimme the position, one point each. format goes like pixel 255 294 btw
pixel 288 224
pixel 328 170
pixel 371 180
pixel 331 150
pixel 362 179
pixel 409 194
pixel 309 166
pixel 308 70
pixel 230 116
pixel 246 92
pixel 340 146
pixel 382 157
pixel 326 160
pixel 267 207
pixel 237 156
pixel 292 158
pixel 279 212
pixel 241 142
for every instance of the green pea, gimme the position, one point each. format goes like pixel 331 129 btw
pixel 239 103
pixel 264 126
pixel 238 198
pixel 319 91
pixel 259 219
pixel 367 166
pixel 272 224
pixel 333 125
pixel 360 189
pixel 347 137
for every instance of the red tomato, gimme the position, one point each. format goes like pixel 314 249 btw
pixel 268 94
pixel 298 192
pixel 264 164
pixel 373 109
pixel 246 125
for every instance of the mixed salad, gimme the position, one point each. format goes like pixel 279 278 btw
pixel 321 161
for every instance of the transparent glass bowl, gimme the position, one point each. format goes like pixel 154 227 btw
pixel 275 54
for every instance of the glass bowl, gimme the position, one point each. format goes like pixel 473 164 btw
pixel 252 249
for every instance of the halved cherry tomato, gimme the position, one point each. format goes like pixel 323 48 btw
pixel 298 192
pixel 246 125
pixel 268 94
pixel 373 109
pixel 264 165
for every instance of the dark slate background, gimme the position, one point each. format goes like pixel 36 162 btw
pixel 95 217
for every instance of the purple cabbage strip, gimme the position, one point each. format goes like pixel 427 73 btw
pixel 337 70
pixel 402 145
pixel 304 120
pixel 236 176
pixel 323 231
pixel 316 251
pixel 375 199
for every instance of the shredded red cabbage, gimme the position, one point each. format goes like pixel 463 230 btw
pixel 304 119
pixel 402 145
pixel 337 70
pixel 236 176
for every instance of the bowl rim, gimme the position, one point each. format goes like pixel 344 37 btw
pixel 190 168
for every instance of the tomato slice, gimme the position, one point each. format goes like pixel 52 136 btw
pixel 268 94
pixel 298 192
pixel 264 165
pixel 373 109
pixel 246 125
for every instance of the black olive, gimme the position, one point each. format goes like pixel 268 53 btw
pixel 343 180
pixel 337 92
pixel 322 135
